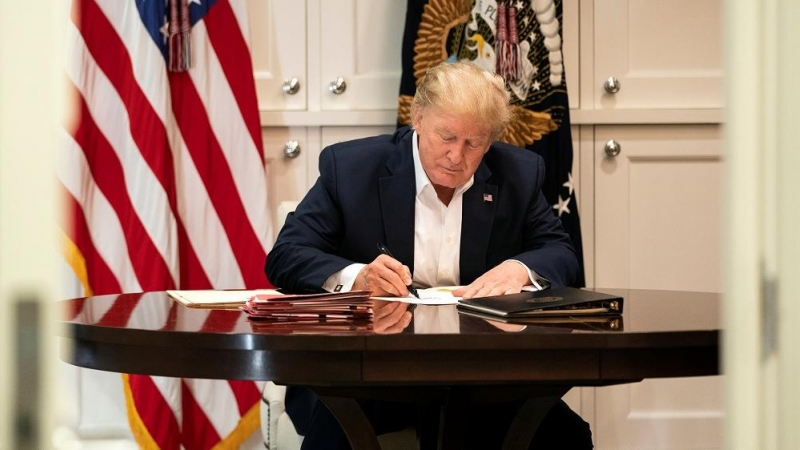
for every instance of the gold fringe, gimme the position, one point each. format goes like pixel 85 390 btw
pixel 76 261
pixel 404 109
pixel 527 127
pixel 248 424
pixel 139 430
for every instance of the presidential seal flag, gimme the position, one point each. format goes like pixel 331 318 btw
pixel 163 174
pixel 521 41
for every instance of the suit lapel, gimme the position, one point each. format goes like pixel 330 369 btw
pixel 398 192
pixel 478 213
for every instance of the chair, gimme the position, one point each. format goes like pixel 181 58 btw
pixel 277 428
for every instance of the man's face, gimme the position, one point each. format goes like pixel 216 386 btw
pixel 450 146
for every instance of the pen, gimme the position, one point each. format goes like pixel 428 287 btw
pixel 386 252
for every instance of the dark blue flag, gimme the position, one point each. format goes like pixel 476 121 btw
pixel 520 40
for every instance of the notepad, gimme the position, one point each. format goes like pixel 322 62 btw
pixel 217 299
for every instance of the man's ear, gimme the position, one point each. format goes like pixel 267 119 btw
pixel 416 119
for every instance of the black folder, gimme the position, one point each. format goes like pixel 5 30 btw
pixel 559 301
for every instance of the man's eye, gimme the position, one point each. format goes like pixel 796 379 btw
pixel 447 138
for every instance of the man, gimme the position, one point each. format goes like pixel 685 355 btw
pixel 455 208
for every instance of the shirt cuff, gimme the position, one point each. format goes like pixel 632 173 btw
pixel 538 282
pixel 342 281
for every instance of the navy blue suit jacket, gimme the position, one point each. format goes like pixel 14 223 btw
pixel 365 195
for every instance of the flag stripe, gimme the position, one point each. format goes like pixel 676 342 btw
pixel 227 122
pixel 217 177
pixel 104 228
pixel 108 50
pixel 246 393
pixel 100 277
pixel 106 107
pixel 106 169
pixel 202 266
pixel 147 131
pixel 220 409
pixel 155 412
pixel 195 418
pixel 234 58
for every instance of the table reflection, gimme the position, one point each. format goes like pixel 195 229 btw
pixel 644 312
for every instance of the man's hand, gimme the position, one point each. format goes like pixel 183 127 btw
pixel 507 278
pixel 390 317
pixel 385 276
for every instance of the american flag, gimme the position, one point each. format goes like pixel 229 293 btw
pixel 164 179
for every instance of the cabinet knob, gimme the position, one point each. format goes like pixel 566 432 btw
pixel 611 85
pixel 337 86
pixel 291 149
pixel 291 86
pixel 612 148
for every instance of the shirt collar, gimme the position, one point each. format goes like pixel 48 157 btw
pixel 421 177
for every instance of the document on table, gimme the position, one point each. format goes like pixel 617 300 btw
pixel 440 295
pixel 217 299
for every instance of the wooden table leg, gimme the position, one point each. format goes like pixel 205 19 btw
pixel 527 421
pixel 452 421
pixel 353 421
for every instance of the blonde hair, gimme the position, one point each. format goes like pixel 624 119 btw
pixel 464 88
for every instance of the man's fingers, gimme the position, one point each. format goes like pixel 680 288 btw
pixel 394 276
pixel 395 266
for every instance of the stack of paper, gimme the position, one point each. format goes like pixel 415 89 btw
pixel 346 307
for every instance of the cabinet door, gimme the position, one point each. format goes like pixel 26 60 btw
pixel 287 177
pixel 278 49
pixel 664 54
pixel 360 41
pixel 332 135
pixel 658 209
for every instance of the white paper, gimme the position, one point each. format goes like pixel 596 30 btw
pixel 441 295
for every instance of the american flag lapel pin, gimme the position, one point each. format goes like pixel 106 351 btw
pixel 487 197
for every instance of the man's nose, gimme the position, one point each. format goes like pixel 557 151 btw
pixel 456 152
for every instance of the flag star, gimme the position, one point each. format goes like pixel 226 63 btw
pixel 520 5
pixel 562 206
pixel 533 36
pixel 165 29
pixel 536 85
pixel 536 70
pixel 569 185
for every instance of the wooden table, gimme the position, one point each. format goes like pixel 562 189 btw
pixel 442 356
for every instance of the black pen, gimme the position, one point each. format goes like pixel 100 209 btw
pixel 386 252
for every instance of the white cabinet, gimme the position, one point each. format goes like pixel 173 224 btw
pixel 658 211
pixel 292 155
pixel 289 156
pixel 657 217
pixel 664 54
pixel 360 43
pixel 278 41
pixel 300 48
pixel 332 135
